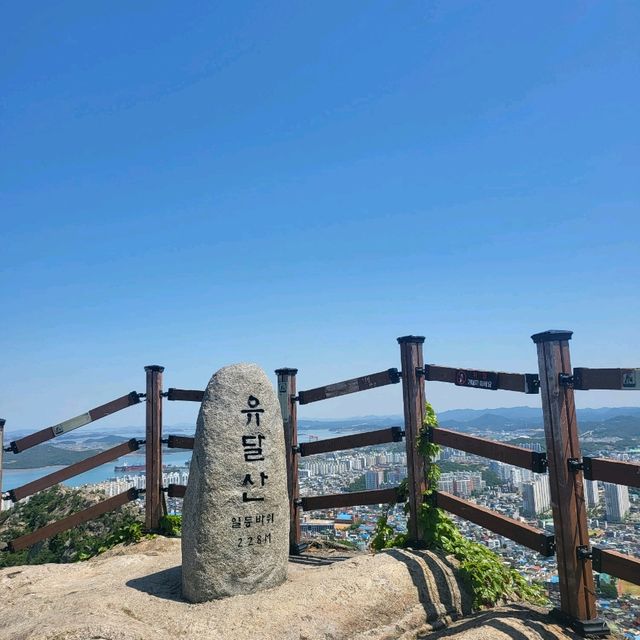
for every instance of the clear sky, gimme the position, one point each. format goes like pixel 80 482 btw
pixel 297 184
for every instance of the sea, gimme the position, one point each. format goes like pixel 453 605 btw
pixel 12 478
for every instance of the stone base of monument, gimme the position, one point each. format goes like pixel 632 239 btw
pixel 235 519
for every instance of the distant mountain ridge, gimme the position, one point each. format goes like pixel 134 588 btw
pixel 46 455
pixel 535 413
pixel 620 421
pixel 500 419
pixel 606 421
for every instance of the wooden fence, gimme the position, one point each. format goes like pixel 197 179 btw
pixel 555 381
pixel 153 462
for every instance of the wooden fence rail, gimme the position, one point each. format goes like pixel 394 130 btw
pixel 488 380
pixel 617 379
pixel 180 442
pixel 356 498
pixel 176 490
pixel 74 423
pixel 626 473
pixel 189 395
pixel 540 541
pixel 616 564
pixel 507 453
pixel 366 439
pixel 380 379
pixel 73 520
pixel 73 470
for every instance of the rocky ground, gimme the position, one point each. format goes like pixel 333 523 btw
pixel 133 593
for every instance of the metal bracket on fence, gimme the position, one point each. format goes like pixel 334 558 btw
pixel 164 441
pixel 584 552
pixel 296 448
pixel 8 449
pixel 141 441
pixel 6 496
pixel 577 378
pixel 394 375
pixel 586 468
pixel 566 380
pixel 297 502
pixel 531 383
pixel 550 546
pixel 142 395
pixel 539 462
pixel 398 434
pixel 164 394
pixel 575 465
pixel 422 371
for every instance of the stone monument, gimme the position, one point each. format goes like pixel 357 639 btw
pixel 235 519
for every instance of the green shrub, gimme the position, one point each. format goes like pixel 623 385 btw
pixel 171 526
pixel 79 543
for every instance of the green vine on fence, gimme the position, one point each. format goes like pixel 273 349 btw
pixel 489 580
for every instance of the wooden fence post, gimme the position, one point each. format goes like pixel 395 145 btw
pixel 288 406
pixel 2 423
pixel 577 590
pixel 153 447
pixel 413 396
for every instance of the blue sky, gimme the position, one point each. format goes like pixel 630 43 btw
pixel 297 184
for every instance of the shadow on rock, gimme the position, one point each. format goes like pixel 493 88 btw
pixel 516 622
pixel 317 561
pixel 165 584
pixel 436 583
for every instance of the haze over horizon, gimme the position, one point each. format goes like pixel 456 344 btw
pixel 299 185
pixel 108 426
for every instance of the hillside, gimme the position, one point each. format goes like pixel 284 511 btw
pixel 45 455
pixel 73 544
pixel 620 426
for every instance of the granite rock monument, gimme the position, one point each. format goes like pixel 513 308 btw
pixel 235 522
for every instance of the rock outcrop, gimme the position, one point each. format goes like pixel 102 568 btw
pixel 134 593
